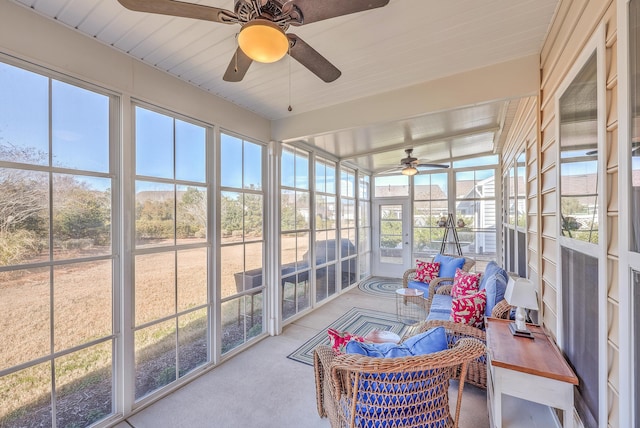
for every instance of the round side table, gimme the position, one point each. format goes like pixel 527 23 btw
pixel 410 305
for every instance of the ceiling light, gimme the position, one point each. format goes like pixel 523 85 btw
pixel 409 170
pixel 263 41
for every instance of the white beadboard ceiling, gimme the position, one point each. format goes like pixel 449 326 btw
pixel 405 43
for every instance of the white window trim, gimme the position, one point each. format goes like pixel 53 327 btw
pixel 596 44
pixel 628 261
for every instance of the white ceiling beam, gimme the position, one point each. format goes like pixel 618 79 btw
pixel 412 144
pixel 506 80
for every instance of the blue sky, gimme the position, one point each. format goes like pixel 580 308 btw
pixel 79 120
pixel 79 125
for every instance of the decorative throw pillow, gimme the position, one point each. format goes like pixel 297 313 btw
pixel 469 309
pixel 465 283
pixel 448 265
pixel 339 340
pixel 426 271
pixel 433 340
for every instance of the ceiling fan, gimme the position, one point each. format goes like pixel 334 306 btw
pixel 409 165
pixel 262 37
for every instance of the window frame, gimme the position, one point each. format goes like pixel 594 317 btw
pixel 213 347
pixel 265 289
pixel 595 45
pixel 115 337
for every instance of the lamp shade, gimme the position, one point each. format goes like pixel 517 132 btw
pixel 410 170
pixel 263 41
pixel 521 293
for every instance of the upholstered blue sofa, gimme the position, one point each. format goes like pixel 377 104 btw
pixel 438 292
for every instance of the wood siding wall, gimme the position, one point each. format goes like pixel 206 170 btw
pixel 574 24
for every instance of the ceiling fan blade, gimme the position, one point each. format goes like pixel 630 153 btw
pixel 432 165
pixel 310 58
pixel 389 171
pixel 238 67
pixel 182 9
pixel 318 10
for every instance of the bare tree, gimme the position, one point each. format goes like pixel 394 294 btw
pixel 23 193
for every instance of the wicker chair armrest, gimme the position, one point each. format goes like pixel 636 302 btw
pixel 409 275
pixel 465 349
pixel 455 330
pixel 322 357
pixel 468 264
pixel 444 289
pixel 438 282
pixel 501 310
pixel 477 369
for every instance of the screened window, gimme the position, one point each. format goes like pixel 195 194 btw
pixel 430 206
pixel 295 230
pixel 476 216
pixel 242 240
pixel 634 86
pixel 171 250
pixel 515 215
pixel 579 328
pixel 578 123
pixel 364 225
pixel 326 251
pixel 579 156
pixel 58 279
pixel 391 186
pixel 348 242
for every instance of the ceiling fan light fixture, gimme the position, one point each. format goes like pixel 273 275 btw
pixel 409 170
pixel 263 41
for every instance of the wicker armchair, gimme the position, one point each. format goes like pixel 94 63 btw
pixel 477 371
pixel 355 390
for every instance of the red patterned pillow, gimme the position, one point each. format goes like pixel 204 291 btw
pixel 426 271
pixel 465 283
pixel 469 309
pixel 339 340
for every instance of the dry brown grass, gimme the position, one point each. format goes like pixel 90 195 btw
pixel 82 300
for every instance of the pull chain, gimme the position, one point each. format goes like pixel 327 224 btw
pixel 235 59
pixel 290 108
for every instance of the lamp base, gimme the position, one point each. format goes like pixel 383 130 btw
pixel 520 333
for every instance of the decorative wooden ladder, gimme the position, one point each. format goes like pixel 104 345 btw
pixel 450 228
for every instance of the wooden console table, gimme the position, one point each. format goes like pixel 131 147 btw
pixel 533 370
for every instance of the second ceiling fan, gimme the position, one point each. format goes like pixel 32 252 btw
pixel 409 165
pixel 263 36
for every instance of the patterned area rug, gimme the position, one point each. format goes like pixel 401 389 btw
pixel 381 287
pixel 357 321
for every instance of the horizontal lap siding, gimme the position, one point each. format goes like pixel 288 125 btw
pixel 573 25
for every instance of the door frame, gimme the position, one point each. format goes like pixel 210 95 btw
pixel 394 270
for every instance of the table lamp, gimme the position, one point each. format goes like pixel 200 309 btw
pixel 521 293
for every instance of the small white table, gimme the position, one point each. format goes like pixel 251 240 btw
pixel 410 305
pixel 531 369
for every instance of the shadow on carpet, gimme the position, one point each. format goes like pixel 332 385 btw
pixel 356 321
pixel 381 287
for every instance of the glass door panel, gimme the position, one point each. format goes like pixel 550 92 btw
pixel 392 249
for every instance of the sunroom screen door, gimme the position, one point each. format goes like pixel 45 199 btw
pixel 392 238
